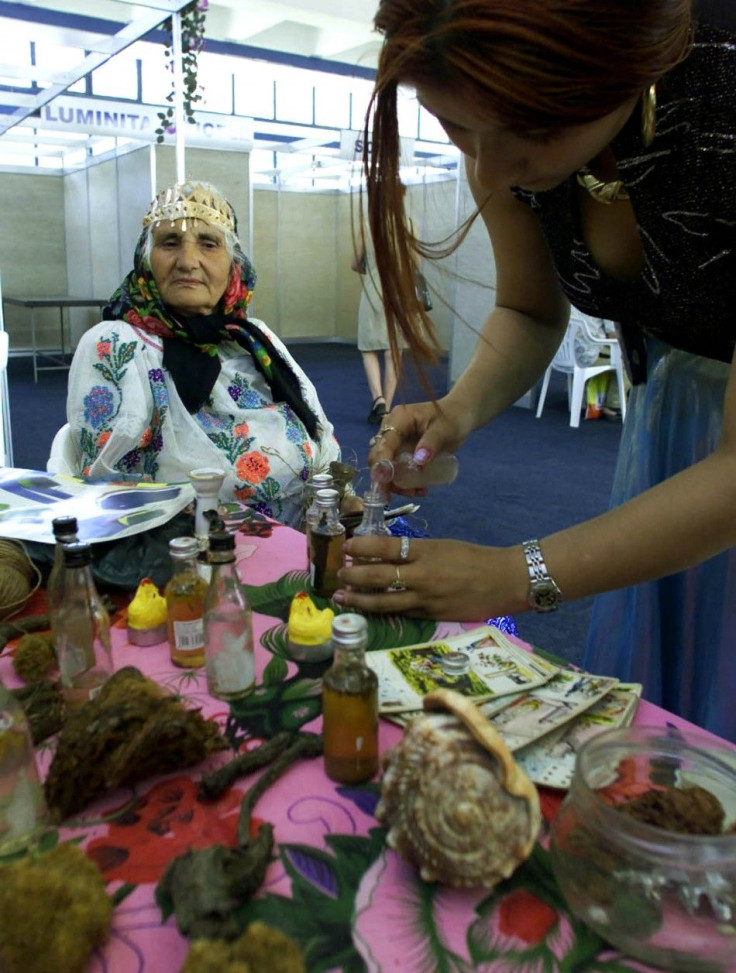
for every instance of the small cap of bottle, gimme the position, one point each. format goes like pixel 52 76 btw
pixel 326 498
pixel 64 526
pixel 77 555
pixel 222 546
pixel 321 481
pixel 349 629
pixel 183 547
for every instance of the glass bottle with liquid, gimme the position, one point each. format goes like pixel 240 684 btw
pixel 228 626
pixel 185 594
pixel 318 481
pixel 65 532
pixel 23 812
pixel 373 523
pixel 350 705
pixel 404 473
pixel 328 536
pixel 82 630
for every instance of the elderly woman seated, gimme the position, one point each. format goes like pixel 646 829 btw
pixel 177 376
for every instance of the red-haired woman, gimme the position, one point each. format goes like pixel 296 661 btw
pixel 599 139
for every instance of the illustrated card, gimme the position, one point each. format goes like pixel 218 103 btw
pixel 482 663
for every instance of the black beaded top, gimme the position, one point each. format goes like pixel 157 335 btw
pixel 683 191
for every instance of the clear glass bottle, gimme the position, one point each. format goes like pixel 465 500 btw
pixel 185 594
pixel 82 630
pixel 23 812
pixel 405 474
pixel 228 625
pixel 350 705
pixel 328 536
pixel 318 481
pixel 373 523
pixel 65 532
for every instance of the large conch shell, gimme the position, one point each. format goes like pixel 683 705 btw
pixel 455 801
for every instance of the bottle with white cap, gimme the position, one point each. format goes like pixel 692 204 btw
pixel 350 705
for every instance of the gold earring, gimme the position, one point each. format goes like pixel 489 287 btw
pixel 649 114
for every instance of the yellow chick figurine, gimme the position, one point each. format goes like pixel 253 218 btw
pixel 308 626
pixel 147 615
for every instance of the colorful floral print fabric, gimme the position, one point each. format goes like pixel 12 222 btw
pixel 126 417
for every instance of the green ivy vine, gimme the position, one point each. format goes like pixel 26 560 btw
pixel 192 42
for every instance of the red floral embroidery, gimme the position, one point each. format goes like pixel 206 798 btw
pixel 146 437
pixel 103 438
pixel 523 916
pixel 103 349
pixel 252 467
pixel 241 430
pixel 163 824
pixel 236 290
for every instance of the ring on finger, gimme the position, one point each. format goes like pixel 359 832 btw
pixel 384 429
pixel 398 584
pixel 404 549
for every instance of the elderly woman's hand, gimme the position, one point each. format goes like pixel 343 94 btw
pixel 441 579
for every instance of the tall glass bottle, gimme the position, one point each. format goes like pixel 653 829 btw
pixel 185 594
pixel 318 481
pixel 328 536
pixel 65 532
pixel 350 705
pixel 228 626
pixel 82 630
pixel 23 812
pixel 373 523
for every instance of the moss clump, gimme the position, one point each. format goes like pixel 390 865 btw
pixel 54 912
pixel 34 657
pixel 260 947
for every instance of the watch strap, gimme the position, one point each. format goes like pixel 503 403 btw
pixel 544 593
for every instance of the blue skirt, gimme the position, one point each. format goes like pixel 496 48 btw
pixel 676 636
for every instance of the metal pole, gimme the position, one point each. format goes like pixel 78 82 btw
pixel 176 49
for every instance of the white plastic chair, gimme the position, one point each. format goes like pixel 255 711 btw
pixel 63 457
pixel 567 360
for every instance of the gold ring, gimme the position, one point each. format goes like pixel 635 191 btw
pixel 404 549
pixel 384 429
pixel 398 584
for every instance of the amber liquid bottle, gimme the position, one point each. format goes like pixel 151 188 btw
pixel 326 545
pixel 350 705
pixel 318 481
pixel 185 594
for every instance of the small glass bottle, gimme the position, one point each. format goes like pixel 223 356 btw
pixel 65 532
pixel 228 626
pixel 318 481
pixel 373 523
pixel 404 473
pixel 328 536
pixel 82 630
pixel 350 705
pixel 23 813
pixel 185 594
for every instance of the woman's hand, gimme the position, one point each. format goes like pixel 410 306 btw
pixel 423 429
pixel 442 579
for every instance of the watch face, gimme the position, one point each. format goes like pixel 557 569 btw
pixel 544 595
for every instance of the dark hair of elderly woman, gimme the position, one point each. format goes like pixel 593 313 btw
pixel 177 376
pixel 599 144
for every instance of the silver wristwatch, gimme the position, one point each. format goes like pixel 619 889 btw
pixel 544 594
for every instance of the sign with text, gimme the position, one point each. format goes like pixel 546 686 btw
pixel 351 147
pixel 95 116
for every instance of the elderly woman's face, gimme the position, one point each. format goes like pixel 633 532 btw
pixel 191 267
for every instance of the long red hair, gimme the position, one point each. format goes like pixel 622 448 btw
pixel 534 66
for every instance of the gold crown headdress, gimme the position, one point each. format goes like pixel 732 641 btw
pixel 191 200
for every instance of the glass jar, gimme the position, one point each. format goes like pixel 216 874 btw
pixel 318 481
pixel 185 594
pixel 660 896
pixel 350 705
pixel 228 626
pixel 82 630
pixel 404 473
pixel 23 812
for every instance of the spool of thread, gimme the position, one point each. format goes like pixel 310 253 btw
pixel 19 577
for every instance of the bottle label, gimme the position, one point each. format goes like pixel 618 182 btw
pixel 189 636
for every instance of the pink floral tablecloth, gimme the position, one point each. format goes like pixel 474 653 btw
pixel 334 887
